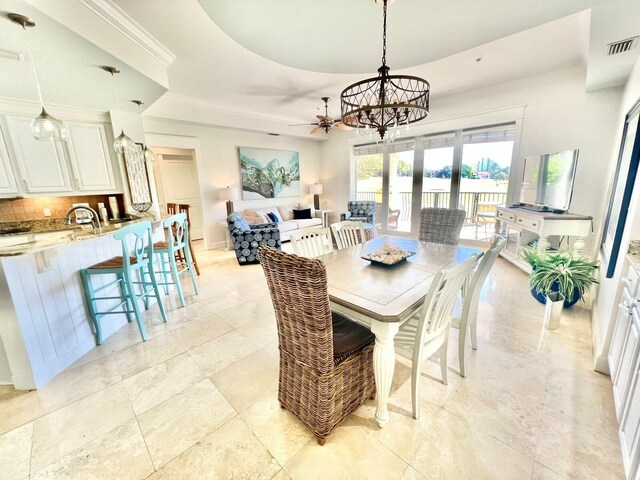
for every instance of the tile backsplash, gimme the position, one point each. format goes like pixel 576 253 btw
pixel 19 209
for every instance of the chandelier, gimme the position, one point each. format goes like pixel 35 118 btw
pixel 386 102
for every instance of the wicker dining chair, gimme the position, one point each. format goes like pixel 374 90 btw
pixel 441 225
pixel 326 359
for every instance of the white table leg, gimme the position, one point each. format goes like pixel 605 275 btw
pixel 384 361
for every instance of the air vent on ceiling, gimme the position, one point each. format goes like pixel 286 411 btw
pixel 11 55
pixel 622 46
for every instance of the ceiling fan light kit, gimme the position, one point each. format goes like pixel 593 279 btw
pixel 387 102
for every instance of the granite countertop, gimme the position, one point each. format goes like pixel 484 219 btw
pixel 633 254
pixel 68 234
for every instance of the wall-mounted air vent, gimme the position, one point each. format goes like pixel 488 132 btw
pixel 11 55
pixel 622 46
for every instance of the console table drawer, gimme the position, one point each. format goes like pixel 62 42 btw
pixel 506 215
pixel 528 222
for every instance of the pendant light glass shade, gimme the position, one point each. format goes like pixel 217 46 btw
pixel 46 127
pixel 122 142
pixel 149 156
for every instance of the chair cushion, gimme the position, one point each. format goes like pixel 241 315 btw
pixel 115 262
pixel 348 337
pixel 288 226
pixel 309 222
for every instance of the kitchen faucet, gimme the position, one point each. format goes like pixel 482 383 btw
pixel 95 220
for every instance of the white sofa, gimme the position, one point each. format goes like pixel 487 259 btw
pixel 284 213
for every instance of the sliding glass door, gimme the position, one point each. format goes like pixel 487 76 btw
pixel 466 169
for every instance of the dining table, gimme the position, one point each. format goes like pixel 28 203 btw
pixel 383 297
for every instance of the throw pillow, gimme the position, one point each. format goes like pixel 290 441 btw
pixel 286 212
pixel 304 214
pixel 273 217
pixel 310 206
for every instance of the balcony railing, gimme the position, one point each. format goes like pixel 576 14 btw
pixel 472 202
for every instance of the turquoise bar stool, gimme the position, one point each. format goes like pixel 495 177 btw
pixel 177 228
pixel 138 261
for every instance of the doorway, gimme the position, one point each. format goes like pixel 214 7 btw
pixel 177 182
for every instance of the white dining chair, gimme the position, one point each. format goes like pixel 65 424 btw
pixel 427 332
pixel 471 298
pixel 348 234
pixel 312 242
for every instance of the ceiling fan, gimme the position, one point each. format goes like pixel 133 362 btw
pixel 325 122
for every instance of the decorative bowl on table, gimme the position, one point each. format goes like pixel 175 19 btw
pixel 388 255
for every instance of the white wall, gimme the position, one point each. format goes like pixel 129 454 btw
pixel 604 310
pixel 558 115
pixel 218 166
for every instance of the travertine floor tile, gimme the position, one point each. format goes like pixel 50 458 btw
pixel 15 452
pixel 579 449
pixel 221 352
pixel 231 451
pixel 198 331
pixel 153 386
pixel 178 423
pixel 455 450
pixel 250 379
pixel 350 452
pixel 245 313
pixel 279 430
pixel 75 425
pixel 118 454
pixel 143 355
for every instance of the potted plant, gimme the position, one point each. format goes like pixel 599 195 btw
pixel 559 272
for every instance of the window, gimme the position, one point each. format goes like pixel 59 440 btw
pixel 466 169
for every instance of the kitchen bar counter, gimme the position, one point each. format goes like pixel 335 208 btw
pixel 44 322
pixel 47 234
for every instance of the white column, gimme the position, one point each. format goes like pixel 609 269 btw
pixel 384 360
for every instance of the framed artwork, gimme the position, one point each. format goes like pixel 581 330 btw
pixel 137 178
pixel 626 172
pixel 269 173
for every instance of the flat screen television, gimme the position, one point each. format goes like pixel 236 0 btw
pixel 547 181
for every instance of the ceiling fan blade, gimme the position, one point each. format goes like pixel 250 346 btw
pixel 322 118
pixel 342 126
pixel 302 124
pixel 315 130
pixel 349 120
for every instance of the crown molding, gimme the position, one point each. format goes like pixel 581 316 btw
pixel 16 106
pixel 118 19
pixel 204 104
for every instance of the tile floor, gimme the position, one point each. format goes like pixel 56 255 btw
pixel 198 400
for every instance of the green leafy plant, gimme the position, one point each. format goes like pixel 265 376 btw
pixel 561 272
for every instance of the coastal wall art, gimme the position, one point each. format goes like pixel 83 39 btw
pixel 268 173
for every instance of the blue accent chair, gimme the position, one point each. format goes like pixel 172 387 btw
pixel 248 238
pixel 360 211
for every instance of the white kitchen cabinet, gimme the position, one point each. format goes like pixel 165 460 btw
pixel 630 426
pixel 620 331
pixel 624 373
pixel 8 186
pixel 42 167
pixel 90 159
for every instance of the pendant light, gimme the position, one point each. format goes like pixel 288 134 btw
pixel 122 141
pixel 44 126
pixel 149 156
pixel 387 102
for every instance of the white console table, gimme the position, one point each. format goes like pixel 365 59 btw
pixel 522 226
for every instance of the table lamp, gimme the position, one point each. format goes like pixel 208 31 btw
pixel 316 191
pixel 227 194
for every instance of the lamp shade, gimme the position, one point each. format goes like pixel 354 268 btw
pixel 226 193
pixel 315 189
